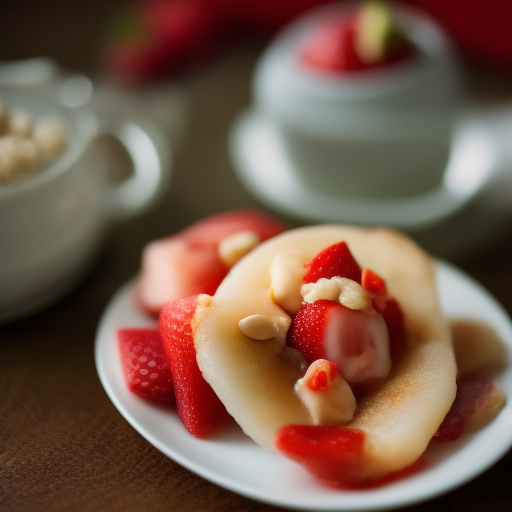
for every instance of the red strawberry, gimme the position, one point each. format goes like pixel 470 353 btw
pixel 307 330
pixel 214 228
pixel 376 287
pixel 332 454
pixel 390 310
pixel 335 455
pixel 145 364
pixel 394 319
pixel 198 406
pixel 477 401
pixel 335 260
pixel 356 341
pixel 188 263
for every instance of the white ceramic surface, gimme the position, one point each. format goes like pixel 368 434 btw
pixel 235 462
pixel 53 222
pixel 262 162
pixel 381 133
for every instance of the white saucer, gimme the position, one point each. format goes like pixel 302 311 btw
pixel 234 461
pixel 260 160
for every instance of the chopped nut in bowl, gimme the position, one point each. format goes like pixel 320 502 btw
pixel 28 144
pixel 56 201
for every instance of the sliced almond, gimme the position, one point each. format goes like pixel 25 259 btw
pixel 259 327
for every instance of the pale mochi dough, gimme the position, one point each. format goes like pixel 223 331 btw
pixel 255 378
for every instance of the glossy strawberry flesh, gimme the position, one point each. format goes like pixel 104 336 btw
pixel 335 456
pixel 394 318
pixel 334 261
pixel 210 231
pixel 332 454
pixel 145 364
pixel 307 330
pixel 358 342
pixel 188 263
pixel 199 408
pixel 376 287
pixel 355 340
pixel 337 260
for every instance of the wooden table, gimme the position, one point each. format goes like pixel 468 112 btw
pixel 63 445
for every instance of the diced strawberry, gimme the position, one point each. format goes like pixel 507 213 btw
pixel 335 456
pixel 373 283
pixel 390 310
pixel 477 401
pixel 394 318
pixel 356 341
pixel 376 287
pixel 335 260
pixel 188 263
pixel 332 454
pixel 211 230
pixel 145 364
pixel 199 408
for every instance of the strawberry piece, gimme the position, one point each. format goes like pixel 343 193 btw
pixel 145 364
pixel 335 455
pixel 356 341
pixel 376 287
pixel 307 330
pixel 188 263
pixel 389 308
pixel 335 260
pixel 332 49
pixel 477 401
pixel 199 408
pixel 373 283
pixel 332 454
pixel 394 318
pixel 156 37
pixel 214 228
pixel 322 378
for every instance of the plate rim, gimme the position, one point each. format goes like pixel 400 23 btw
pixel 352 503
pixel 317 206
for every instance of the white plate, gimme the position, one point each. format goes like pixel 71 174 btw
pixel 262 164
pixel 235 462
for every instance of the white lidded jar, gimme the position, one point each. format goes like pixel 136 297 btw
pixel 378 133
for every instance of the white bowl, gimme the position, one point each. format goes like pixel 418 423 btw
pixel 52 223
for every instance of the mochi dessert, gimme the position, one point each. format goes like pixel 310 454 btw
pixel 363 96
pixel 264 383
pixel 325 344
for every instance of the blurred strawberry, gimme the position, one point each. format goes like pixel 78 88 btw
pixel 189 263
pixel 159 37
